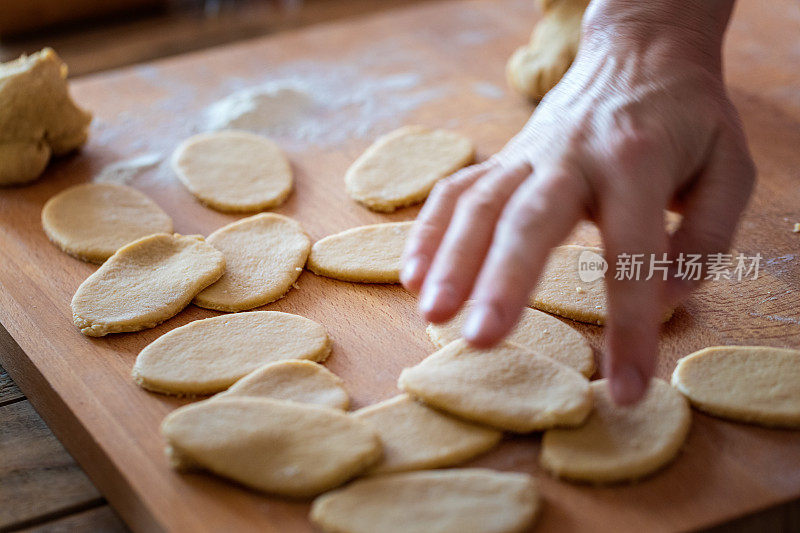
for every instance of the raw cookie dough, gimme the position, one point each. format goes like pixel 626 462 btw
pixel 91 221
pixel 508 387
pixel 402 167
pixel 234 171
pixel 295 380
pixel 37 116
pixel 620 443
pixel 416 437
pixel 264 254
pixel 286 448
pixel 537 67
pixel 209 355
pixel 755 384
pixel 144 283
pixel 539 332
pixel 468 500
pixel 368 254
pixel 560 290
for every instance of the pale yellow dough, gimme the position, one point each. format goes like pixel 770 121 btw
pixel 294 380
pixel 416 437
pixel 368 254
pixel 209 355
pixel 561 292
pixel 91 221
pixel 401 168
pixel 538 66
pixel 620 443
pixel 234 171
pixel 755 384
pixel 144 283
pixel 286 448
pixel 508 387
pixel 539 332
pixel 37 116
pixel 264 254
pixel 469 500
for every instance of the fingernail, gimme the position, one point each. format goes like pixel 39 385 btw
pixel 480 322
pixel 437 297
pixel 411 268
pixel 627 384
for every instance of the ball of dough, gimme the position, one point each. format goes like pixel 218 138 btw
pixel 37 116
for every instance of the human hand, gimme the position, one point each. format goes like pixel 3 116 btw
pixel 641 122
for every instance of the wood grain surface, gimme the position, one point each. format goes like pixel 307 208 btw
pixel 439 65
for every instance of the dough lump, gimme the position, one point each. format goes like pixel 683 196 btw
pixel 37 116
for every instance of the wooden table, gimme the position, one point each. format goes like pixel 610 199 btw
pixel 440 65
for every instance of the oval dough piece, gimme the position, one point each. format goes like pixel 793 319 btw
pixel 537 331
pixel 209 355
pixel 91 221
pixel 144 283
pixel 473 500
pixel 264 254
pixel 297 381
pixel 620 443
pixel 280 447
pixel 755 384
pixel 561 292
pixel 416 437
pixel 234 171
pixel 402 167
pixel 508 387
pixel 368 254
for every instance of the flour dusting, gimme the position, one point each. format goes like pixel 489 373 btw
pixel 322 106
pixel 488 90
pixel 123 172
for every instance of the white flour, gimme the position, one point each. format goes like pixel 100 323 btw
pixel 122 172
pixel 321 105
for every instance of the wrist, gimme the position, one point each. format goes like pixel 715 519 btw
pixel 690 29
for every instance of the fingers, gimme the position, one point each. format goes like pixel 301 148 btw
pixel 466 241
pixel 632 223
pixel 540 214
pixel 432 223
pixel 711 212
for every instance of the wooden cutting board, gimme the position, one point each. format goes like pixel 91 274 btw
pixel 440 65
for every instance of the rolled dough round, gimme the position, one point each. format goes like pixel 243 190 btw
pixel 416 437
pixel 294 380
pixel 91 221
pixel 234 170
pixel 402 167
pixel 275 446
pixel 620 443
pixel 264 254
pixel 756 384
pixel 508 387
pixel 537 331
pixel 368 254
pixel 144 283
pixel 209 355
pixel 473 500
